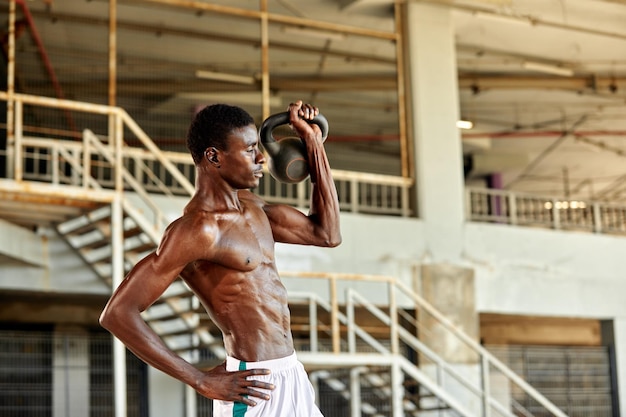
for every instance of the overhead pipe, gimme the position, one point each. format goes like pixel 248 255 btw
pixel 45 58
pixel 541 133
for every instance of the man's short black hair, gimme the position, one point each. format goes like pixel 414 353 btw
pixel 211 126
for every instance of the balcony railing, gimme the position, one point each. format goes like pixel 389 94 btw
pixel 506 207
pixel 37 152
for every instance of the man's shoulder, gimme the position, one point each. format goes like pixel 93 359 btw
pixel 195 219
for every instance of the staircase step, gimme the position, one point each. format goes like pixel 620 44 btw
pixel 132 232
pixel 95 244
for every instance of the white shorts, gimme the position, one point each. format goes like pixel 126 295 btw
pixel 293 394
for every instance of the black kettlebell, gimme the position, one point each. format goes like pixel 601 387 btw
pixel 287 157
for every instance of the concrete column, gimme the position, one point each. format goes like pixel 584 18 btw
pixel 450 289
pixel 435 111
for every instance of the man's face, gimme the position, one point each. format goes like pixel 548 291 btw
pixel 242 162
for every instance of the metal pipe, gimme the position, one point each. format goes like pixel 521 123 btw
pixel 275 18
pixel 265 61
pixel 18 152
pixel 334 315
pixel 112 52
pixel 118 140
pixel 10 91
pixel 117 264
pixel 406 158
pixel 46 59
pixel 355 391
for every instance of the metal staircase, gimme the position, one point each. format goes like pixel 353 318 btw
pixel 112 235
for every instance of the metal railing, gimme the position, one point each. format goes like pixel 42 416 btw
pixel 507 207
pixel 335 321
pixel 32 155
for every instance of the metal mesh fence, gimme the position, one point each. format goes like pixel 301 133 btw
pixel 46 372
pixel 576 379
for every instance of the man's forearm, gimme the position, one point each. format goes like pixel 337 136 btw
pixel 324 201
pixel 140 339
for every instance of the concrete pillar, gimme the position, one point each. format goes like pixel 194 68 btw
pixel 450 289
pixel 435 111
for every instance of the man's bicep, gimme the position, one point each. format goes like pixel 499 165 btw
pixel 290 225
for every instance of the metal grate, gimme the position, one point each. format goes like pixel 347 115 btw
pixel 44 373
pixel 576 379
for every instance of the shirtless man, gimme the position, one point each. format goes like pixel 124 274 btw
pixel 223 247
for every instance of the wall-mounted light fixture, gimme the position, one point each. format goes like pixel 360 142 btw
pixel 464 124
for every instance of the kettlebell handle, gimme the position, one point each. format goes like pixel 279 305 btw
pixel 279 119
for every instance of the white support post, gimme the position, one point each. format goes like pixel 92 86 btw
pixel 556 215
pixel 397 389
pixel 597 218
pixel 86 159
pixel 350 326
pixel 355 392
pixel 393 315
pixel 18 164
pixel 512 208
pixel 119 161
pixel 486 386
pixel 313 324
pixel 117 264
pixel 191 402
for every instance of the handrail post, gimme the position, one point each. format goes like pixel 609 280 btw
pixel 393 315
pixel 350 324
pixel 313 324
pixel 17 141
pixel 512 208
pixel 355 392
pixel 468 204
pixel 118 140
pixel 486 386
pixel 117 263
pixel 597 217
pixel 301 194
pixel 86 159
pixel 334 314
pixel 556 222
pixel 55 164
pixel 354 195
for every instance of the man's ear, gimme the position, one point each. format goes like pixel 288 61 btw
pixel 211 155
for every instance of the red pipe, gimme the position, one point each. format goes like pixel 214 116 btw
pixel 543 133
pixel 46 60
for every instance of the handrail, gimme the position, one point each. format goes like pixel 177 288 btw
pixel 358 191
pixel 486 359
pixel 521 209
pixel 484 353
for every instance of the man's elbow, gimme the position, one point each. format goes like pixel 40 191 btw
pixel 108 318
pixel 333 241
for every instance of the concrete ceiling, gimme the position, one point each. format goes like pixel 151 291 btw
pixel 561 135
